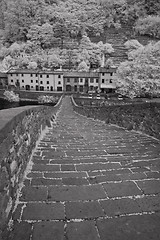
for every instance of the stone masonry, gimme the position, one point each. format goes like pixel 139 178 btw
pixel 89 181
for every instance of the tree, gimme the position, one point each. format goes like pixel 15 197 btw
pixel 134 48
pixel 149 25
pixel 42 35
pixel 141 75
pixel 82 67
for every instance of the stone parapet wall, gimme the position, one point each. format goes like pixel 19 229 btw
pixel 20 128
pixel 143 117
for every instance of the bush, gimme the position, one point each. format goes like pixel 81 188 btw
pixel 11 96
pixel 47 99
pixel 149 25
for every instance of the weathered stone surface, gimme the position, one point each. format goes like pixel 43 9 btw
pixel 140 227
pixel 81 231
pixel 46 168
pixel 72 193
pixel 43 211
pixel 75 181
pixel 80 210
pixel 67 167
pixel 64 174
pixel 20 231
pixel 118 207
pixel 149 186
pixel 34 193
pixel 121 189
pixel 149 203
pixel 45 182
pixel 48 231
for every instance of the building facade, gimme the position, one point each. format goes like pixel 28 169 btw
pixel 3 80
pixel 63 81
pixel 36 80
pixel 81 81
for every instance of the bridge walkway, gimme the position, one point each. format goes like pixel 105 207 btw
pixel 90 181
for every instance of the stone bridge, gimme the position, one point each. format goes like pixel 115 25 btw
pixel 87 180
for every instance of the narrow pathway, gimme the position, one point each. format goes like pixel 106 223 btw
pixel 90 181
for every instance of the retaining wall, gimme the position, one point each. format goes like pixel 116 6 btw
pixel 20 128
pixel 143 117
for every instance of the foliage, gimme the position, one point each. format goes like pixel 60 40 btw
pixel 141 75
pixel 134 48
pixel 47 99
pixel 149 25
pixel 11 96
pixel 82 67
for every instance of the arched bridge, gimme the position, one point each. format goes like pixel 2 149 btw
pixel 85 179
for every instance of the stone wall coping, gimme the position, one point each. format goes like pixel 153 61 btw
pixel 9 117
pixel 6 115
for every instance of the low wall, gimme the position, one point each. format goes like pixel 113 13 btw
pixel 144 117
pixel 20 128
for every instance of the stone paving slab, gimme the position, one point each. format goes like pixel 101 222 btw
pixel 90 181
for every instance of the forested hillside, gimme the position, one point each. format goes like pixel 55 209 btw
pixel 50 33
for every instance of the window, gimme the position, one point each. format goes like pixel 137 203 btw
pixel 81 88
pixel 59 89
pixel 47 76
pixel 31 74
pixel 91 80
pixel 81 80
pixel 22 86
pixel 36 75
pixel 36 81
pixel 41 82
pixel 11 80
pixel 17 74
pixel 76 80
pixel 75 88
pixel 68 80
pixel 59 82
pixel 110 81
pixel 47 87
pixel 59 76
pixel 31 81
pixel 31 86
pixel 111 74
pixel 40 75
pixel 22 80
pixel 102 80
pixel 22 74
pixel 11 74
pixel 47 82
pixel 96 80
pixel 102 74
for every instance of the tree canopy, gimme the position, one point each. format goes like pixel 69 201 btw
pixel 141 75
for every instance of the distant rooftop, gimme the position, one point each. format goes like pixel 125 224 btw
pixel 107 70
pixel 81 74
pixel 3 75
pixel 34 71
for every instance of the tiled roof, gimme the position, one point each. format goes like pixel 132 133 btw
pixel 34 71
pixel 3 75
pixel 81 74
pixel 107 70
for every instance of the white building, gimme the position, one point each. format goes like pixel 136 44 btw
pixel 107 79
pixel 104 80
pixel 36 80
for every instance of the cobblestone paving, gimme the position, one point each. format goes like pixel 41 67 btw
pixel 90 181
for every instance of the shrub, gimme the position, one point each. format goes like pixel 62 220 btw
pixel 47 99
pixel 11 96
